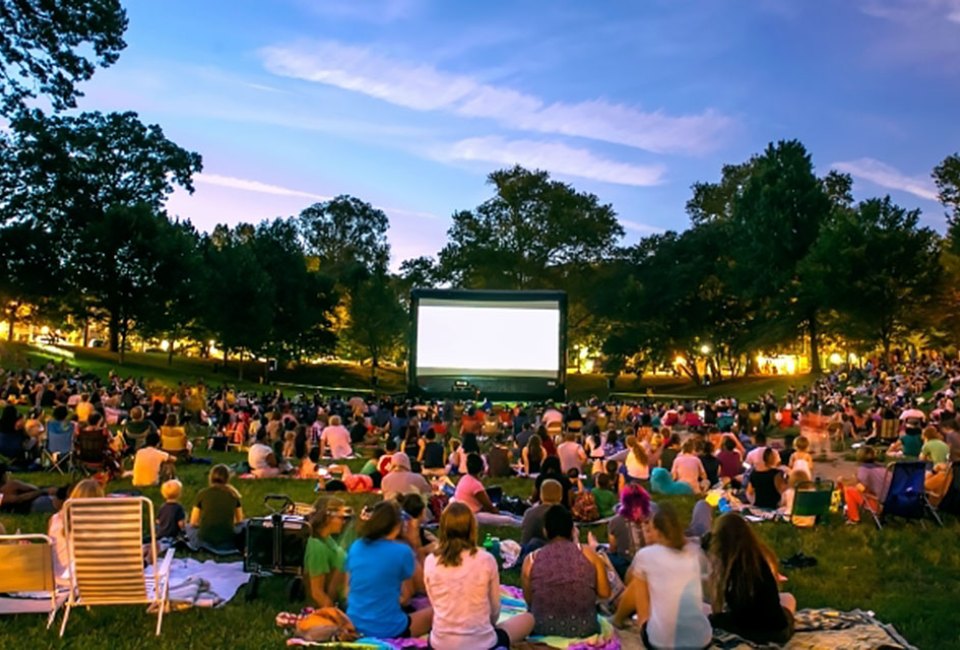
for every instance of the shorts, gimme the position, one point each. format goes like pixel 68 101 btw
pixel 503 640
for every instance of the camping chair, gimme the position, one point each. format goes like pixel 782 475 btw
pixel 27 562
pixel 950 502
pixel 907 497
pixel 58 448
pixel 811 500
pixel 105 543
pixel 90 451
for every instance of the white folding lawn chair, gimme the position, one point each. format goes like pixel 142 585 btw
pixel 105 541
pixel 26 565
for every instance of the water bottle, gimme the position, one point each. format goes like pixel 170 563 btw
pixel 495 548
pixel 723 505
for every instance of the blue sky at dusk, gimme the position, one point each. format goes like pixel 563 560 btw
pixel 409 104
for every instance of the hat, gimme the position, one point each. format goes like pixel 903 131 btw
pixel 400 461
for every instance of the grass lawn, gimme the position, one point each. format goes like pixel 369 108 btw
pixel 906 573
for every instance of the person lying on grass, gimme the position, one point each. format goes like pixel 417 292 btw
pixel 746 600
pixel 463 583
pixel 471 492
pixel 380 570
pixel 324 559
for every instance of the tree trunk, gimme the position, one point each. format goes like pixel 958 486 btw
pixel 114 332
pixel 86 331
pixel 173 344
pixel 814 345
pixel 374 363
pixel 240 367
pixel 123 341
pixel 13 307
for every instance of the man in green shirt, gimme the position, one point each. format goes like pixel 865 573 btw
pixel 934 449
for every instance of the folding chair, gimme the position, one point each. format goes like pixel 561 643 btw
pixel 950 502
pixel 105 543
pixel 58 448
pixel 27 562
pixel 907 497
pixel 90 451
pixel 812 499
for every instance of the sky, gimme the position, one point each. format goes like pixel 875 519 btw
pixel 410 104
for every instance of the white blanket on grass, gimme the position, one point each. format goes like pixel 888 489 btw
pixel 203 584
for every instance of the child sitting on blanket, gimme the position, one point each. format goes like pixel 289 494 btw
pixel 463 583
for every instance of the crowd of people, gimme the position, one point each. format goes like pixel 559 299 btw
pixel 433 462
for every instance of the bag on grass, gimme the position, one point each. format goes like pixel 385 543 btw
pixel 585 507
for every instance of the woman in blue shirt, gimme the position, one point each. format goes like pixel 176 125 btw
pixel 377 568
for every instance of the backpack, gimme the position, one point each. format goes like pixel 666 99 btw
pixel 585 507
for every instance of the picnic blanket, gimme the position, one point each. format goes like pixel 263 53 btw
pixel 203 584
pixel 511 604
pixel 815 629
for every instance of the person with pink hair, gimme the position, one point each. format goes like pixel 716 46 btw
pixel 624 531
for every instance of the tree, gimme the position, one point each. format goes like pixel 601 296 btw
pixel 377 319
pixel 70 174
pixel 47 47
pixel 238 292
pixel 778 216
pixel 28 270
pixel 531 225
pixel 348 236
pixel 877 267
pixel 946 175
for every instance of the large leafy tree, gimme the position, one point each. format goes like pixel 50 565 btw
pixel 778 215
pixel 348 236
pixel 48 46
pixel 529 228
pixel 377 319
pixel 946 175
pixel 877 267
pixel 28 270
pixel 84 174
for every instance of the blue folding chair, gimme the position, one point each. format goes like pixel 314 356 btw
pixel 58 448
pixel 907 497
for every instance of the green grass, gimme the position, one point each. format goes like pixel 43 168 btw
pixel 906 573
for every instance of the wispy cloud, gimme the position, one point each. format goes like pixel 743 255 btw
pixel 423 87
pixel 912 10
pixel 553 157
pixel 247 185
pixel 378 12
pixel 884 175
pixel 642 228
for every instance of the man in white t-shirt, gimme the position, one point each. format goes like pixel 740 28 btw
pixel 571 454
pixel 147 462
pixel 336 438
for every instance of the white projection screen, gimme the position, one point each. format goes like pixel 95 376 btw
pixel 489 336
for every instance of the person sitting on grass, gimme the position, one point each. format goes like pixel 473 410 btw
pixel 766 484
pixel 664 587
pixel 731 463
pixel 379 570
pixel 261 458
pixel 688 469
pixel 870 489
pixel 746 599
pixel 910 443
pixel 470 491
pixel 532 455
pixel 801 458
pixel 934 449
pixel 148 460
pixel 85 489
pixel 216 520
pixel 173 437
pixel 604 496
pixel 532 535
pixel 402 480
pixel 135 429
pixel 432 455
pixel 171 518
pixel 562 581
pixel 662 483
pixel 625 530
pixel 463 583
pixel 324 558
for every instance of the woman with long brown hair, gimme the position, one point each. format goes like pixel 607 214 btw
pixel 532 455
pixel 636 465
pixel 746 599
pixel 463 584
